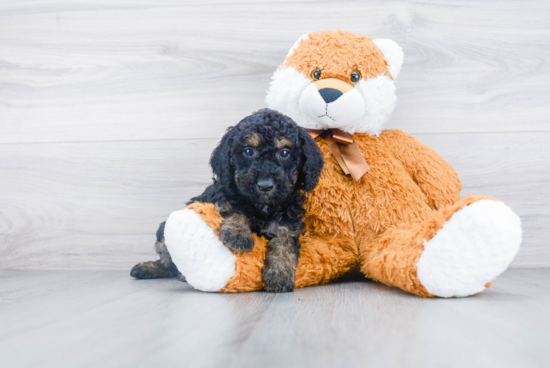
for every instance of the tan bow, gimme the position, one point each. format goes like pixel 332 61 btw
pixel 345 150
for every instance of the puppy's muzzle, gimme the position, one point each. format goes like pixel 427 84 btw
pixel 265 185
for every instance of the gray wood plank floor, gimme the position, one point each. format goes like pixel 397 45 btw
pixel 106 319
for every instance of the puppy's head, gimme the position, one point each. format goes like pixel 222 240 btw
pixel 267 157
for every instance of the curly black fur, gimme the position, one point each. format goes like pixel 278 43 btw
pixel 262 167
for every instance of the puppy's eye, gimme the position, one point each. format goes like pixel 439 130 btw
pixel 249 152
pixel 284 153
pixel 355 77
pixel 316 74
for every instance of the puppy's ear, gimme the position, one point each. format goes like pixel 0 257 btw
pixel 221 159
pixel 312 161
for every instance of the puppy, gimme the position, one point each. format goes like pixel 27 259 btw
pixel 262 167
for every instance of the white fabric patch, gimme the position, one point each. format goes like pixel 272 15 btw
pixel 197 253
pixel 379 96
pixel 283 95
pixel 471 249
pixel 393 53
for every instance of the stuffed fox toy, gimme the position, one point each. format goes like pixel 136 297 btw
pixel 386 205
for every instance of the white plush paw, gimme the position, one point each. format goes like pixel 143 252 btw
pixel 475 246
pixel 197 253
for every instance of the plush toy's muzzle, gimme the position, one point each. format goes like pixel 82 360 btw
pixel 331 88
pixel 332 103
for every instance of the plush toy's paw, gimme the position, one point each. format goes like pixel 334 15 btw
pixel 197 252
pixel 238 239
pixel 471 249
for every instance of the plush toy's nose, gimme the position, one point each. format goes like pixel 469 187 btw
pixel 330 94
pixel 332 89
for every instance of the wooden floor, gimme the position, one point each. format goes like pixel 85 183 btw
pixel 106 319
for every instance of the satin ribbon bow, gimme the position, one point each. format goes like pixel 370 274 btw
pixel 345 150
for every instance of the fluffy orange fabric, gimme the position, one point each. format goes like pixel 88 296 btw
pixel 248 269
pixel 209 215
pixel 341 54
pixel 377 225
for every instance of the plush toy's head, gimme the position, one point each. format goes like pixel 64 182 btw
pixel 337 79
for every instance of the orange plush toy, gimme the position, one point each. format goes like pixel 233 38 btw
pixel 386 205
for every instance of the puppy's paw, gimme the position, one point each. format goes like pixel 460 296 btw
pixel 148 270
pixel 278 280
pixel 238 239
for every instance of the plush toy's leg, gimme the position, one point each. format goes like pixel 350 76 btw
pixel 323 259
pixel 191 236
pixel 456 252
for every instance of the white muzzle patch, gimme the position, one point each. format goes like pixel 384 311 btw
pixel 364 108
pixel 341 113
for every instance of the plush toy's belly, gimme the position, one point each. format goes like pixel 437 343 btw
pixel 384 197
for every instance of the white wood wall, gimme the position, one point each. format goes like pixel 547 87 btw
pixel 109 109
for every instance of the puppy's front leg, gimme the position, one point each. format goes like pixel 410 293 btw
pixel 235 233
pixel 279 273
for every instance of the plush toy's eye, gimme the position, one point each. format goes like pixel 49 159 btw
pixel 316 74
pixel 355 77
pixel 249 152
pixel 284 153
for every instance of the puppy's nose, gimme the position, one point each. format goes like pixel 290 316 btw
pixel 265 184
pixel 330 94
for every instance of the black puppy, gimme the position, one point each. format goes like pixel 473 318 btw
pixel 262 167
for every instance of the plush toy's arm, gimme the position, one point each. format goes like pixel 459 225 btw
pixel 435 176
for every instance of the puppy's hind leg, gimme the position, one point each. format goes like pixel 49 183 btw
pixel 162 268
pixel 150 270
pixel 165 258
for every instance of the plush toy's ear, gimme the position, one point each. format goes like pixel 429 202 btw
pixel 221 159
pixel 312 161
pixel 392 53
pixel 295 46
